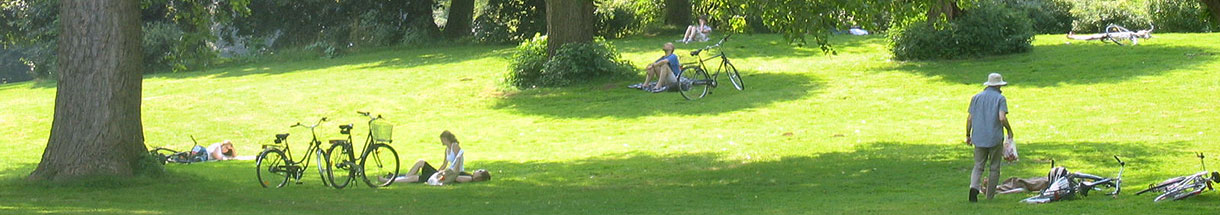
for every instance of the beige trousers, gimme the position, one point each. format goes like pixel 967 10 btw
pixel 990 158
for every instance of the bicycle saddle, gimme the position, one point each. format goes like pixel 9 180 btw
pixel 345 129
pixel 696 52
pixel 279 137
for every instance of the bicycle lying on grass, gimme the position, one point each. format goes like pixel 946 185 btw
pixel 166 155
pixel 694 81
pixel 1065 185
pixel 1182 187
pixel 275 165
pixel 377 161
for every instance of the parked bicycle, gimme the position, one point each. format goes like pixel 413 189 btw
pixel 1065 185
pixel 1182 187
pixel 275 165
pixel 377 161
pixel 694 81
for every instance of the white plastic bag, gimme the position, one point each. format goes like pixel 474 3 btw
pixel 1010 150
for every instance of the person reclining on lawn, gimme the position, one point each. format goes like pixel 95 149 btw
pixel 452 170
pixel 664 69
pixel 215 152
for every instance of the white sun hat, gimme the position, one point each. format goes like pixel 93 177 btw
pixel 994 79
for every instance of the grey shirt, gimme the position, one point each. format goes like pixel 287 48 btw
pixel 986 130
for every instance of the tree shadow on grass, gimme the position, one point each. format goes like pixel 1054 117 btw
pixel 1052 65
pixel 616 100
pixel 881 177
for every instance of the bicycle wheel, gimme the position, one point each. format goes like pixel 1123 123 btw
pixel 1169 194
pixel 272 168
pixel 380 166
pixel 340 159
pixel 162 154
pixel 734 77
pixel 323 166
pixel 694 83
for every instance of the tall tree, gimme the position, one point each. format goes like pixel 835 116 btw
pixel 419 16
pixel 96 129
pixel 678 12
pixel 1214 7
pixel 461 15
pixel 568 21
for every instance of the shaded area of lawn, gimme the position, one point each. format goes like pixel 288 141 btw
pixel 1052 65
pixel 912 177
pixel 616 100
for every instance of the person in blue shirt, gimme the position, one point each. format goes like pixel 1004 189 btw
pixel 664 69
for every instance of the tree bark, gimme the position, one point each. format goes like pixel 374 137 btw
pixel 948 8
pixel 1214 7
pixel 461 15
pixel 96 129
pixel 419 17
pixel 678 13
pixel 568 21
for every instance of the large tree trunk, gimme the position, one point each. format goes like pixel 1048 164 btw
pixel 678 13
pixel 96 130
pixel 568 21
pixel 420 18
pixel 948 8
pixel 1214 7
pixel 461 15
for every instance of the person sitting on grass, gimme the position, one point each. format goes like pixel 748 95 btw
pixel 452 169
pixel 664 69
pixel 697 32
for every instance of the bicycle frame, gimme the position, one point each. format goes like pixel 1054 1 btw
pixel 1068 186
pixel 724 60
pixel 303 163
pixel 368 142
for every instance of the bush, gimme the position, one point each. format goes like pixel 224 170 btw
pixel 505 21
pixel 573 63
pixel 1048 16
pixel 1180 16
pixel 614 21
pixel 161 47
pixel 1094 16
pixel 985 30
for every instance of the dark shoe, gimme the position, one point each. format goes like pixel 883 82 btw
pixel 974 195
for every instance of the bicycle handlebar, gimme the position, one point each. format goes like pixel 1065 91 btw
pixel 369 115
pixel 697 51
pixel 1120 161
pixel 310 127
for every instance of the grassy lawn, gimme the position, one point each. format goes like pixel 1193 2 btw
pixel 811 134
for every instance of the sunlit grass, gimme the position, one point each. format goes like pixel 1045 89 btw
pixel 849 133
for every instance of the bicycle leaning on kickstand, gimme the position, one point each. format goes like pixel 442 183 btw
pixel 694 81
pixel 1182 187
pixel 377 162
pixel 275 165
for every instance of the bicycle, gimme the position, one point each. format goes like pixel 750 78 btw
pixel 377 154
pixel 166 155
pixel 694 81
pixel 1065 185
pixel 275 163
pixel 1182 187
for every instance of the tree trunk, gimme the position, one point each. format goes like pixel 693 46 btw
pixel 568 21
pixel 419 17
pixel 678 13
pixel 1214 7
pixel 96 130
pixel 947 7
pixel 461 15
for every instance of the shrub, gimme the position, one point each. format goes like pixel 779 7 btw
pixel 985 30
pixel 614 21
pixel 510 20
pixel 1180 16
pixel 161 47
pixel 1094 16
pixel 1048 16
pixel 573 63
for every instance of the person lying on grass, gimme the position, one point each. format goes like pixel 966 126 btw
pixel 452 170
pixel 664 69
pixel 215 152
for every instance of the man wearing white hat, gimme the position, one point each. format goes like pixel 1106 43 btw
pixel 988 115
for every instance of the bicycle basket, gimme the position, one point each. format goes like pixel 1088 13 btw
pixel 382 132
